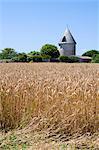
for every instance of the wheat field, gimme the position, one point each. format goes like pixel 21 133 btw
pixel 57 99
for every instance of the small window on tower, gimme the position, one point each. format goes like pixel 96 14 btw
pixel 60 46
pixel 64 39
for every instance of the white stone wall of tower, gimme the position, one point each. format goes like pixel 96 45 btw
pixel 67 49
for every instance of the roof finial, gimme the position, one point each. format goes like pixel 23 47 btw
pixel 67 26
pixel 66 29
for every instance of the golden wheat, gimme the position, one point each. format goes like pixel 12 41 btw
pixel 54 97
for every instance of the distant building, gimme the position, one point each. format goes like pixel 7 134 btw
pixel 85 59
pixel 67 44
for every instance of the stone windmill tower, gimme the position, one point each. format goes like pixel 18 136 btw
pixel 67 44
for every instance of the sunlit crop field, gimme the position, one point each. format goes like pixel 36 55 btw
pixel 57 98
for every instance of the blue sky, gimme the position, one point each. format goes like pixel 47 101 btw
pixel 26 25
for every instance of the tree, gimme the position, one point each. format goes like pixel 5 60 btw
pixel 95 58
pixel 46 57
pixel 1 56
pixel 8 53
pixel 34 53
pixel 50 50
pixel 90 53
pixel 21 57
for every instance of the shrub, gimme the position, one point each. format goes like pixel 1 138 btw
pixel 6 60
pixel 21 57
pixel 34 58
pixel 46 56
pixel 37 58
pixel 73 59
pixel 15 59
pixel 95 58
pixel 54 60
pixel 64 58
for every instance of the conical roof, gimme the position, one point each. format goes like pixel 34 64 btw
pixel 67 37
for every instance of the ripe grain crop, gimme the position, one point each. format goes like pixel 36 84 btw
pixel 60 98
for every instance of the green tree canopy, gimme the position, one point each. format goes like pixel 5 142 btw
pixel 21 57
pixel 90 53
pixel 1 56
pixel 34 53
pixel 8 53
pixel 95 58
pixel 50 50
